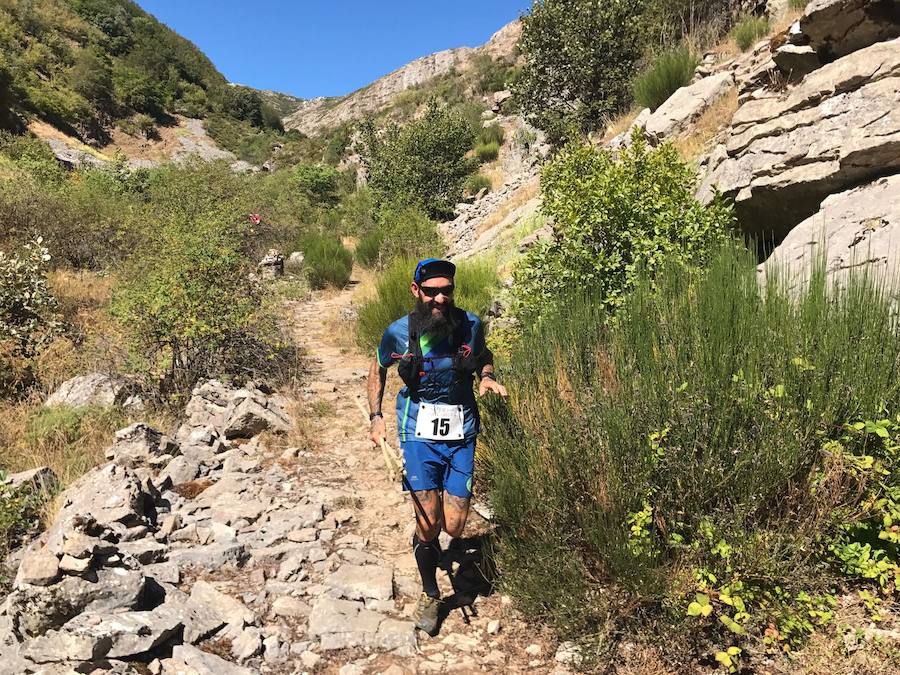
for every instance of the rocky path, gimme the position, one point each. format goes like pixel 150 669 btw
pixel 485 636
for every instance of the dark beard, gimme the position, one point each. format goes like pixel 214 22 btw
pixel 429 323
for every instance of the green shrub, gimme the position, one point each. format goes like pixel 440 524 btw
pixel 28 312
pixel 368 250
pixel 185 301
pixel 422 164
pixel 476 281
pixel 476 183
pixel 19 517
pixel 611 217
pixel 669 72
pixel 407 232
pixel 798 4
pixel 317 183
pixel 327 262
pixel 487 152
pixel 579 57
pixel 703 470
pixel 749 30
pixel 491 134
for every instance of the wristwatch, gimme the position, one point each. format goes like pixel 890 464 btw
pixel 488 376
pixel 373 415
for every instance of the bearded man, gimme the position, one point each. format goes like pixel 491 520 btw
pixel 439 350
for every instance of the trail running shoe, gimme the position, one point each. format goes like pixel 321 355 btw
pixel 426 614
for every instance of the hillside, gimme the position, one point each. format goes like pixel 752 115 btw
pixel 467 68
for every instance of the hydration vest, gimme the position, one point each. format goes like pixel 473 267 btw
pixel 464 361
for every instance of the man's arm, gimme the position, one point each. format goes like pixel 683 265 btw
pixel 375 385
pixel 375 391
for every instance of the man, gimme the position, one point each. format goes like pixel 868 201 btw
pixel 439 349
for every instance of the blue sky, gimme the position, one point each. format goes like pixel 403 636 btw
pixel 327 47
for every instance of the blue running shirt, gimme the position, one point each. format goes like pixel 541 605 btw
pixel 437 383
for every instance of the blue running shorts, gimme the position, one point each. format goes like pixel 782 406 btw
pixel 436 465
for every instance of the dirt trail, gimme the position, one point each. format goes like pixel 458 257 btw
pixel 344 460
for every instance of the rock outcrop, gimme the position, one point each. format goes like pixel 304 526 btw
pixel 325 113
pixel 853 231
pixel 837 128
pixel 836 28
pixel 91 389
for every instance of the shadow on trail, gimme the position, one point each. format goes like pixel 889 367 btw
pixel 470 571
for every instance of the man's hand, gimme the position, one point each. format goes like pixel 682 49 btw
pixel 378 431
pixel 487 384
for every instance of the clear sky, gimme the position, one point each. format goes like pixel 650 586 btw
pixel 327 47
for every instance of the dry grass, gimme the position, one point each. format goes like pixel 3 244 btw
pixel 619 124
pixel 708 125
pixel 523 195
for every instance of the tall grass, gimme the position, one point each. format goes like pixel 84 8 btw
pixel 684 446
pixel 670 71
pixel 749 30
pixel 475 283
pixel 327 262
pixel 492 134
pixel 487 152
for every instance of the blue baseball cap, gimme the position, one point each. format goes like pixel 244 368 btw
pixel 433 267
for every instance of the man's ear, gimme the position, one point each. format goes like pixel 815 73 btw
pixel 414 289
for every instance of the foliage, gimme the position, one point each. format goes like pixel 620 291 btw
pixel 705 469
pixel 750 30
pixel 422 164
pixel 475 283
pixel 327 262
pixel 491 134
pixel 368 249
pixel 490 74
pixel 317 183
pixel 670 71
pixel 19 516
pixel 406 232
pixel 612 218
pixel 476 183
pixel 668 22
pixel 185 300
pixel 487 152
pixel 579 59
pixel 28 311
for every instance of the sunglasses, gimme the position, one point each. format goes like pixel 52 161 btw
pixel 434 291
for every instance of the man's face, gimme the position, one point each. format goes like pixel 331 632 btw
pixel 436 295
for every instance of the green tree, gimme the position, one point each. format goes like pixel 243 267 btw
pixel 580 56
pixel 421 164
pixel 317 183
pixel 91 77
pixel 138 91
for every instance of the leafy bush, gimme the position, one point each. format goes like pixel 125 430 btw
pixel 487 152
pixel 185 300
pixel 407 232
pixel 669 72
pixel 327 262
pixel 750 30
pixel 422 164
pixel 19 516
pixel 317 183
pixel 476 183
pixel 579 56
pixel 612 217
pixel 703 470
pixel 368 249
pixel 491 134
pixel 28 312
pixel 476 281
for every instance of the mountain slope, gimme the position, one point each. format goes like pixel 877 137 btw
pixel 317 115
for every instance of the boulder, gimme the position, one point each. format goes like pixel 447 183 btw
pixel 228 608
pixel 139 445
pixel 332 615
pixel 854 231
pixel 112 495
pixel 180 470
pixel 252 414
pixel 93 635
pixel 272 265
pixel 188 660
pixel 41 479
pixel 836 28
pixel 294 261
pixel 686 105
pixel 797 61
pixel 39 567
pixel 837 128
pixel 36 609
pixel 91 389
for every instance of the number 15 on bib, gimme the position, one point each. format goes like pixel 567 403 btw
pixel 437 422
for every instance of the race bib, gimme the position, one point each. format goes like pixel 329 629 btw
pixel 437 422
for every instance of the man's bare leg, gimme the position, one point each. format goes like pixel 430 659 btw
pixel 456 512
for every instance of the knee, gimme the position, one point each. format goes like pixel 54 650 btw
pixel 428 534
pixel 455 527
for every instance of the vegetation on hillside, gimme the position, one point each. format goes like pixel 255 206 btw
pixel 706 473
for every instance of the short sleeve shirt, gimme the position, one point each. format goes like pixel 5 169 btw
pixel 437 383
